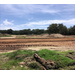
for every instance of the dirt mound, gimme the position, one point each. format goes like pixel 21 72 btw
pixel 56 35
pixel 45 35
pixel 52 35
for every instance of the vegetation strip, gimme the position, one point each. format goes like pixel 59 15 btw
pixel 23 60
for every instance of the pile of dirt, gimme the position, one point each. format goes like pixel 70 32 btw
pixel 52 35
pixel 41 36
pixel 56 35
pixel 45 35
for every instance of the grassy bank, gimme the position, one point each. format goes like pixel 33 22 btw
pixel 5 35
pixel 24 60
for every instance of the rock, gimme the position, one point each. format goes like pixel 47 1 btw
pixel 13 66
pixel 21 63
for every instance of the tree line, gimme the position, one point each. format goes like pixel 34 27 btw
pixel 23 32
pixel 60 28
pixel 53 28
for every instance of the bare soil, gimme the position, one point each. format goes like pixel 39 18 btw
pixel 49 48
pixel 62 44
pixel 37 42
pixel 39 36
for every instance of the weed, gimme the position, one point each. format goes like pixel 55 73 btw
pixel 2 35
pixel 8 60
pixel 34 66
pixel 61 60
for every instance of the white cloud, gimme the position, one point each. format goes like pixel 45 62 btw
pixel 45 22
pixel 39 24
pixel 70 22
pixel 6 22
pixel 7 25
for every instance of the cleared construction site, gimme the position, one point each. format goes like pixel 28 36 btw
pixel 7 44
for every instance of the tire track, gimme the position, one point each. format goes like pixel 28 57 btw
pixel 14 44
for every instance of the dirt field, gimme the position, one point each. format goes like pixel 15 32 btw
pixel 37 43
pixel 40 36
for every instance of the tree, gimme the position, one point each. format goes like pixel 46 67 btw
pixel 3 31
pixel 53 28
pixel 9 31
pixel 57 28
pixel 72 30
pixel 62 29
pixel 16 32
pixel 38 31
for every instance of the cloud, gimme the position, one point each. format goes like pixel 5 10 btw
pixel 7 25
pixel 45 22
pixel 70 22
pixel 22 9
pixel 39 24
pixel 6 22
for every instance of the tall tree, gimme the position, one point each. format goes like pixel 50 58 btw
pixel 9 31
pixel 62 29
pixel 53 28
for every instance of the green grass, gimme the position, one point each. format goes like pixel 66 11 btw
pixel 12 61
pixel 8 60
pixel 2 35
pixel 21 37
pixel 61 60
pixel 34 65
pixel 19 52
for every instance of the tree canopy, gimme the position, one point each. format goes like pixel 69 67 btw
pixel 53 28
pixel 57 28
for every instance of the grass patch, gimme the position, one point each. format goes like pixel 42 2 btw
pixel 20 36
pixel 34 65
pixel 12 60
pixel 8 60
pixel 20 52
pixel 5 35
pixel 61 60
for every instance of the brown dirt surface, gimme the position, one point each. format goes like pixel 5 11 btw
pixel 57 35
pixel 39 36
pixel 45 36
pixel 62 44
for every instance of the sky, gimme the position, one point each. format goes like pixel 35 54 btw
pixel 35 16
